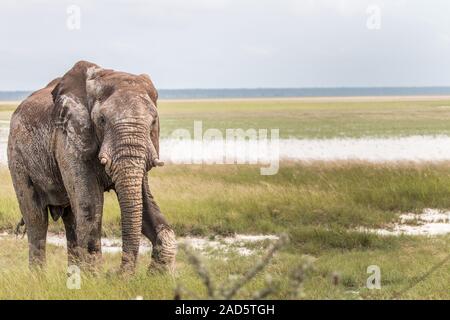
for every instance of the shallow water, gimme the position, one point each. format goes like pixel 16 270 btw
pixel 431 222
pixel 275 92
pixel 232 244
pixel 411 148
pixel 372 149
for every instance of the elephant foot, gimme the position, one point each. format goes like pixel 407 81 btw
pixel 89 262
pixel 164 251
pixel 128 265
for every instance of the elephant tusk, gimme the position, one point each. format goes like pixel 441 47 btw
pixel 158 163
pixel 104 161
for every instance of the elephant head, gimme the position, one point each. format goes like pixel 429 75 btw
pixel 111 117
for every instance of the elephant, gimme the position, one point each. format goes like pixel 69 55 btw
pixel 90 131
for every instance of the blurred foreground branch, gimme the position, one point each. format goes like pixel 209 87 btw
pixel 227 292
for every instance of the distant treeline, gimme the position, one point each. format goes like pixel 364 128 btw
pixel 274 92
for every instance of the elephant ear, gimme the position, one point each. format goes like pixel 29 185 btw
pixel 150 88
pixel 153 94
pixel 71 112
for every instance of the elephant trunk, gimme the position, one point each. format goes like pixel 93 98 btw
pixel 130 200
pixel 128 166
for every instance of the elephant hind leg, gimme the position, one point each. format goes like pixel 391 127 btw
pixel 37 236
pixel 70 225
pixel 165 248
pixel 158 231
pixel 35 216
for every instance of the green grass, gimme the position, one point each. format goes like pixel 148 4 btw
pixel 305 200
pixel 400 268
pixel 6 111
pixel 303 118
pixel 316 204
pixel 319 205
pixel 301 198
pixel 400 265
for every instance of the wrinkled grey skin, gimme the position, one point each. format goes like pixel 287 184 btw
pixel 91 131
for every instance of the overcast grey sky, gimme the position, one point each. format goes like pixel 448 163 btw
pixel 230 43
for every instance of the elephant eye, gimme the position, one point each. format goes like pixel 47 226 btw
pixel 102 120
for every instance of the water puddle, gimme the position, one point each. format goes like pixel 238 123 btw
pixel 431 222
pixel 241 244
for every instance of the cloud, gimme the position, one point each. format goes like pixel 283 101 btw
pixel 230 43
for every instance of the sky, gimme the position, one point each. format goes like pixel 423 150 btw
pixel 230 43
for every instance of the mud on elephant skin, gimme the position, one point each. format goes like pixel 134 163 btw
pixel 91 131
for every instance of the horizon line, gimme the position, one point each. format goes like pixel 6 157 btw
pixel 278 88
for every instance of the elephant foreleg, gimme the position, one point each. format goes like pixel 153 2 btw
pixel 86 206
pixel 158 231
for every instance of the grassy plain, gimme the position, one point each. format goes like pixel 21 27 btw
pixel 402 262
pixel 306 117
pixel 319 205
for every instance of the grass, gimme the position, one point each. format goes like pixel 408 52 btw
pixel 400 266
pixel 305 200
pixel 319 205
pixel 300 119
pixel 305 118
